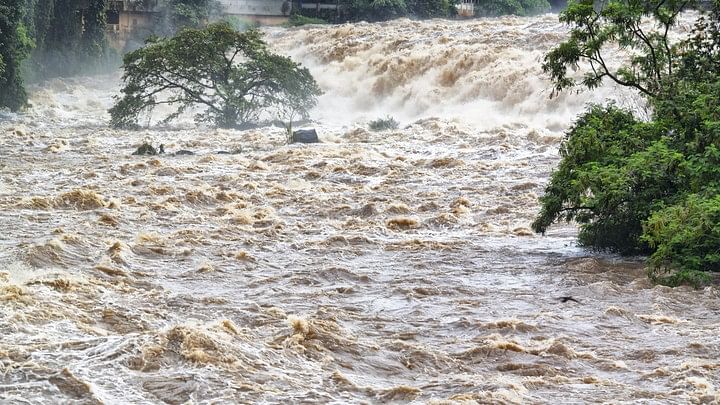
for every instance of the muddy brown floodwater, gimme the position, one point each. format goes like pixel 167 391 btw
pixel 376 267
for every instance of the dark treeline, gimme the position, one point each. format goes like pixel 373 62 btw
pixel 14 47
pixel 42 39
pixel 382 10
pixel 67 37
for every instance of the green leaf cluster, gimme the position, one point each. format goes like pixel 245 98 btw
pixel 617 24
pixel 14 48
pixel 298 20
pixel 230 76
pixel 383 124
pixel 382 10
pixel 176 15
pixel 495 8
pixel 686 237
pixel 68 38
pixel 650 187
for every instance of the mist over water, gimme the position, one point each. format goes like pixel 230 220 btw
pixel 485 72
pixel 376 267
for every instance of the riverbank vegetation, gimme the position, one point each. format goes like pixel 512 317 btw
pixel 512 7
pixel 383 124
pixel 383 10
pixel 42 39
pixel 47 38
pixel 14 47
pixel 642 186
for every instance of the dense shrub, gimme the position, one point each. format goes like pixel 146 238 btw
pixel 643 187
pixel 68 38
pixel 685 236
pixel 431 8
pixel 297 20
pixel 382 124
pixel 376 10
pixel 381 10
pixel 494 8
pixel 14 47
pixel 231 75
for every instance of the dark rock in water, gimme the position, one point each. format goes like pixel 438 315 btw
pixel 305 136
pixel 149 150
pixel 235 151
pixel 367 210
pixel 183 152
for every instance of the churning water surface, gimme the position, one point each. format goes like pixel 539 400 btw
pixel 376 267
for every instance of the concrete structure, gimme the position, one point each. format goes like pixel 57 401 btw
pixel 265 12
pixel 466 8
pixel 130 19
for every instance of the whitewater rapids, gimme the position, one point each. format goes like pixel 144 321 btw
pixel 376 267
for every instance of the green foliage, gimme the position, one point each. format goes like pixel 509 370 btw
pixel 643 187
pixel 594 183
pixel 686 235
pixel 231 75
pixel 494 8
pixel 382 124
pixel 58 33
pixel 176 15
pixel 240 24
pixel 68 38
pixel 431 8
pixel 376 10
pixel 297 20
pixel 94 44
pixel 618 23
pixel 382 10
pixel 14 47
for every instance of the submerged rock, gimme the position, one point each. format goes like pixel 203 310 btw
pixel 183 152
pixel 148 150
pixel 305 136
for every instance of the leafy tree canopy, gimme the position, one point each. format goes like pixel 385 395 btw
pixel 230 75
pixel 179 14
pixel 642 186
pixel 494 8
pixel 617 23
pixel 14 47
pixel 381 10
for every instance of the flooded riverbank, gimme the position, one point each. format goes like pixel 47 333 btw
pixel 376 267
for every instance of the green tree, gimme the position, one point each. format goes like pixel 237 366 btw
pixel 642 186
pixel 617 24
pixel 69 37
pixel 178 14
pixel 382 10
pixel 231 75
pixel 94 43
pixel 431 8
pixel 376 10
pixel 14 47
pixel 494 8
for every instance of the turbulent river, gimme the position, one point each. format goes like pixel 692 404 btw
pixel 375 267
